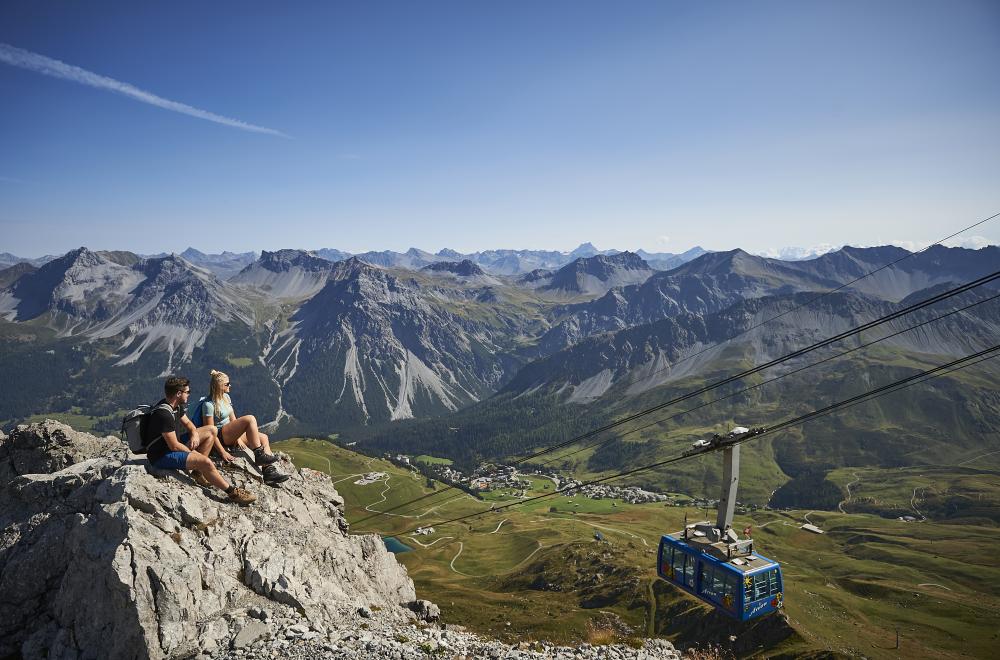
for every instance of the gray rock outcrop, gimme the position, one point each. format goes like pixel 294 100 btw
pixel 100 557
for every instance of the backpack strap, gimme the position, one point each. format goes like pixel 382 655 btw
pixel 163 406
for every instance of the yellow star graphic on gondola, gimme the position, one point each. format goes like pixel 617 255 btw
pixel 748 581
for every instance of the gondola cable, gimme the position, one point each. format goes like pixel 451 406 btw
pixel 769 381
pixel 878 392
pixel 798 353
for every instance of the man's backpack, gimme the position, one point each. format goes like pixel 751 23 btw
pixel 134 427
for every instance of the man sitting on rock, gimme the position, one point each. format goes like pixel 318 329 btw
pixel 166 452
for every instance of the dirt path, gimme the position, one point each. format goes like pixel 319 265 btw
pixel 651 617
pixel 384 498
pixel 841 504
pixel 498 526
pixel 608 529
pixel 461 546
pixel 913 503
pixel 976 458
pixel 427 545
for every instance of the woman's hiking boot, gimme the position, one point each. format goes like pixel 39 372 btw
pixel 262 458
pixel 240 496
pixel 272 477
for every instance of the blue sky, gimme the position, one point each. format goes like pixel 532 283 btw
pixel 659 125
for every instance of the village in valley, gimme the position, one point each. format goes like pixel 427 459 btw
pixel 494 478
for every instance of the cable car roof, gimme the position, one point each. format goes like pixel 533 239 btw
pixel 748 564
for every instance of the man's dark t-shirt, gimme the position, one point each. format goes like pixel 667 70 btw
pixel 160 422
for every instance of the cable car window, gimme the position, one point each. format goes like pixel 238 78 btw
pixel 667 559
pixel 760 586
pixel 689 565
pixel 774 584
pixel 708 581
pixel 726 584
pixel 678 564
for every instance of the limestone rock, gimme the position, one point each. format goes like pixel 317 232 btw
pixel 99 557
pixel 425 610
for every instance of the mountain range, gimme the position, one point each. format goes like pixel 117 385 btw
pixel 318 346
pixel 499 262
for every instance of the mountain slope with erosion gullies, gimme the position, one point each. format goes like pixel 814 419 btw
pixel 595 275
pixel 377 346
pixel 163 302
pixel 319 347
pixel 613 375
pixel 286 274
pixel 714 281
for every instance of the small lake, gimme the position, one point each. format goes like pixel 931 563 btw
pixel 393 545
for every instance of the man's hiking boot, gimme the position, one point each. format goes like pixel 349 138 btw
pixel 241 496
pixel 263 459
pixel 272 477
pixel 200 479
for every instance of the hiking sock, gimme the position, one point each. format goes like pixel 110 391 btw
pixel 231 489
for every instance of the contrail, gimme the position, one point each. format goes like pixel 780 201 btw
pixel 47 66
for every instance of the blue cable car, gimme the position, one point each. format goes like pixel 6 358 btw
pixel 711 562
pixel 744 587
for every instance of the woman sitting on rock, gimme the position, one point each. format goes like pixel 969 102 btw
pixel 236 431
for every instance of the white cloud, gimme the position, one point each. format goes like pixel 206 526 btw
pixel 971 242
pixel 662 240
pixel 47 66
pixel 792 253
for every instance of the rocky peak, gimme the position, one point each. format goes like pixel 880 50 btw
pixel 585 250
pixel 354 268
pixel 13 273
pixel 193 255
pixel 105 557
pixel 285 260
pixel 465 268
pixel 534 276
pixel 599 273
pixel 83 285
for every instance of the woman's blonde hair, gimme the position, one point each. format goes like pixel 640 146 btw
pixel 217 390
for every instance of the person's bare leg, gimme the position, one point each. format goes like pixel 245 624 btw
pixel 203 464
pixel 247 424
pixel 241 442
pixel 265 442
pixel 217 445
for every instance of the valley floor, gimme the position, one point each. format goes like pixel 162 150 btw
pixel 539 572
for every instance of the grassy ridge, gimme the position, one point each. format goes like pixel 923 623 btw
pixel 847 590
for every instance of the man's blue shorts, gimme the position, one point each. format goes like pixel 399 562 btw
pixel 174 460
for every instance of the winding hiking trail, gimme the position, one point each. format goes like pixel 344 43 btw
pixel 461 546
pixel 612 529
pixel 388 487
pixel 840 505
pixel 384 498
pixel 498 526
pixel 414 538
pixel 976 458
pixel 784 522
pixel 913 502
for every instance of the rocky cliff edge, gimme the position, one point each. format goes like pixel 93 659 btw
pixel 102 557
